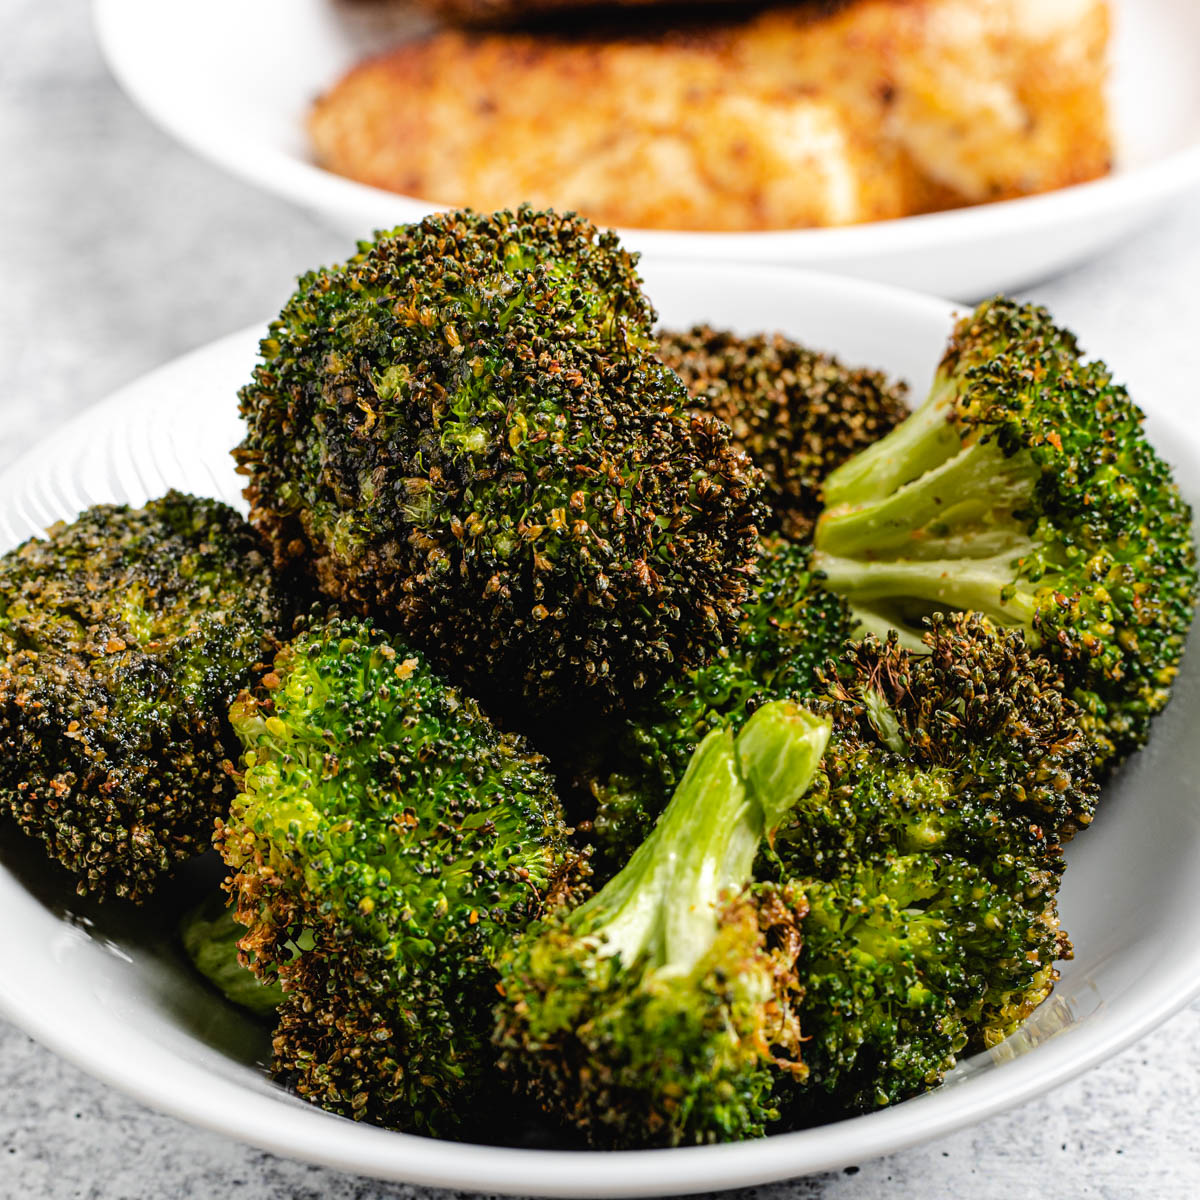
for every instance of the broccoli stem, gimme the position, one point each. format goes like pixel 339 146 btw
pixel 984 585
pixel 963 508
pixel 867 620
pixel 662 907
pixel 921 443
pixel 210 936
pixel 778 749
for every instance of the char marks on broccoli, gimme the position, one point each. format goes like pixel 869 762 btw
pixel 124 637
pixel 798 414
pixel 464 431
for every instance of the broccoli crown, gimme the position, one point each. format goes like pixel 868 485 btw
pixel 798 414
pixel 660 1010
pixel 386 824
pixel 124 637
pixel 463 432
pixel 1025 488
pixel 789 628
pixel 978 703
pixel 904 957
pixel 929 851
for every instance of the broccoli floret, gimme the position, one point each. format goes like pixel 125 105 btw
pixel 797 413
pixel 900 957
pixel 1025 489
pixel 210 937
pixel 464 432
pixel 929 851
pixel 657 1012
pixel 124 637
pixel 979 701
pixel 789 628
pixel 386 829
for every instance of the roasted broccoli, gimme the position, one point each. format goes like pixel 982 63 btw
pixel 797 413
pixel 386 843
pixel 210 937
pixel 1024 488
pixel 124 637
pixel 895 954
pixel 464 432
pixel 929 852
pixel 659 1011
pixel 789 628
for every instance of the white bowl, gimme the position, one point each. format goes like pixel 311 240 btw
pixel 118 1000
pixel 234 80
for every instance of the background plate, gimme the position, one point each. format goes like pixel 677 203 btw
pixel 112 993
pixel 234 80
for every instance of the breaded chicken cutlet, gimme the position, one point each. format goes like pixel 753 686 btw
pixel 486 11
pixel 793 117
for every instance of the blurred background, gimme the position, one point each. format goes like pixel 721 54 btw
pixel 120 250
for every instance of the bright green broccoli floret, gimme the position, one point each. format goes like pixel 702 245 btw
pixel 464 431
pixel 658 1012
pixel 1025 489
pixel 909 958
pixel 789 628
pixel 124 637
pixel 798 414
pixel 389 830
pixel 929 850
pixel 210 937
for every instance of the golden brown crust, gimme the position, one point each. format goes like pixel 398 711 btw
pixel 485 11
pixel 787 119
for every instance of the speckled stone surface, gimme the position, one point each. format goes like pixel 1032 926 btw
pixel 118 251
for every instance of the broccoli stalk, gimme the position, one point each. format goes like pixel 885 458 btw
pixel 210 937
pixel 654 1012
pixel 661 904
pixel 1024 489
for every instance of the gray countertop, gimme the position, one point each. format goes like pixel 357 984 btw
pixel 119 251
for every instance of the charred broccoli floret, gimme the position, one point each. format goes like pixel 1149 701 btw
pixel 1024 488
pixel 124 637
pixel 929 851
pixel 797 413
pixel 464 432
pixel 657 1012
pixel 789 628
pixel 386 843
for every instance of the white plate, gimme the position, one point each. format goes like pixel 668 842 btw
pixel 122 1004
pixel 233 79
